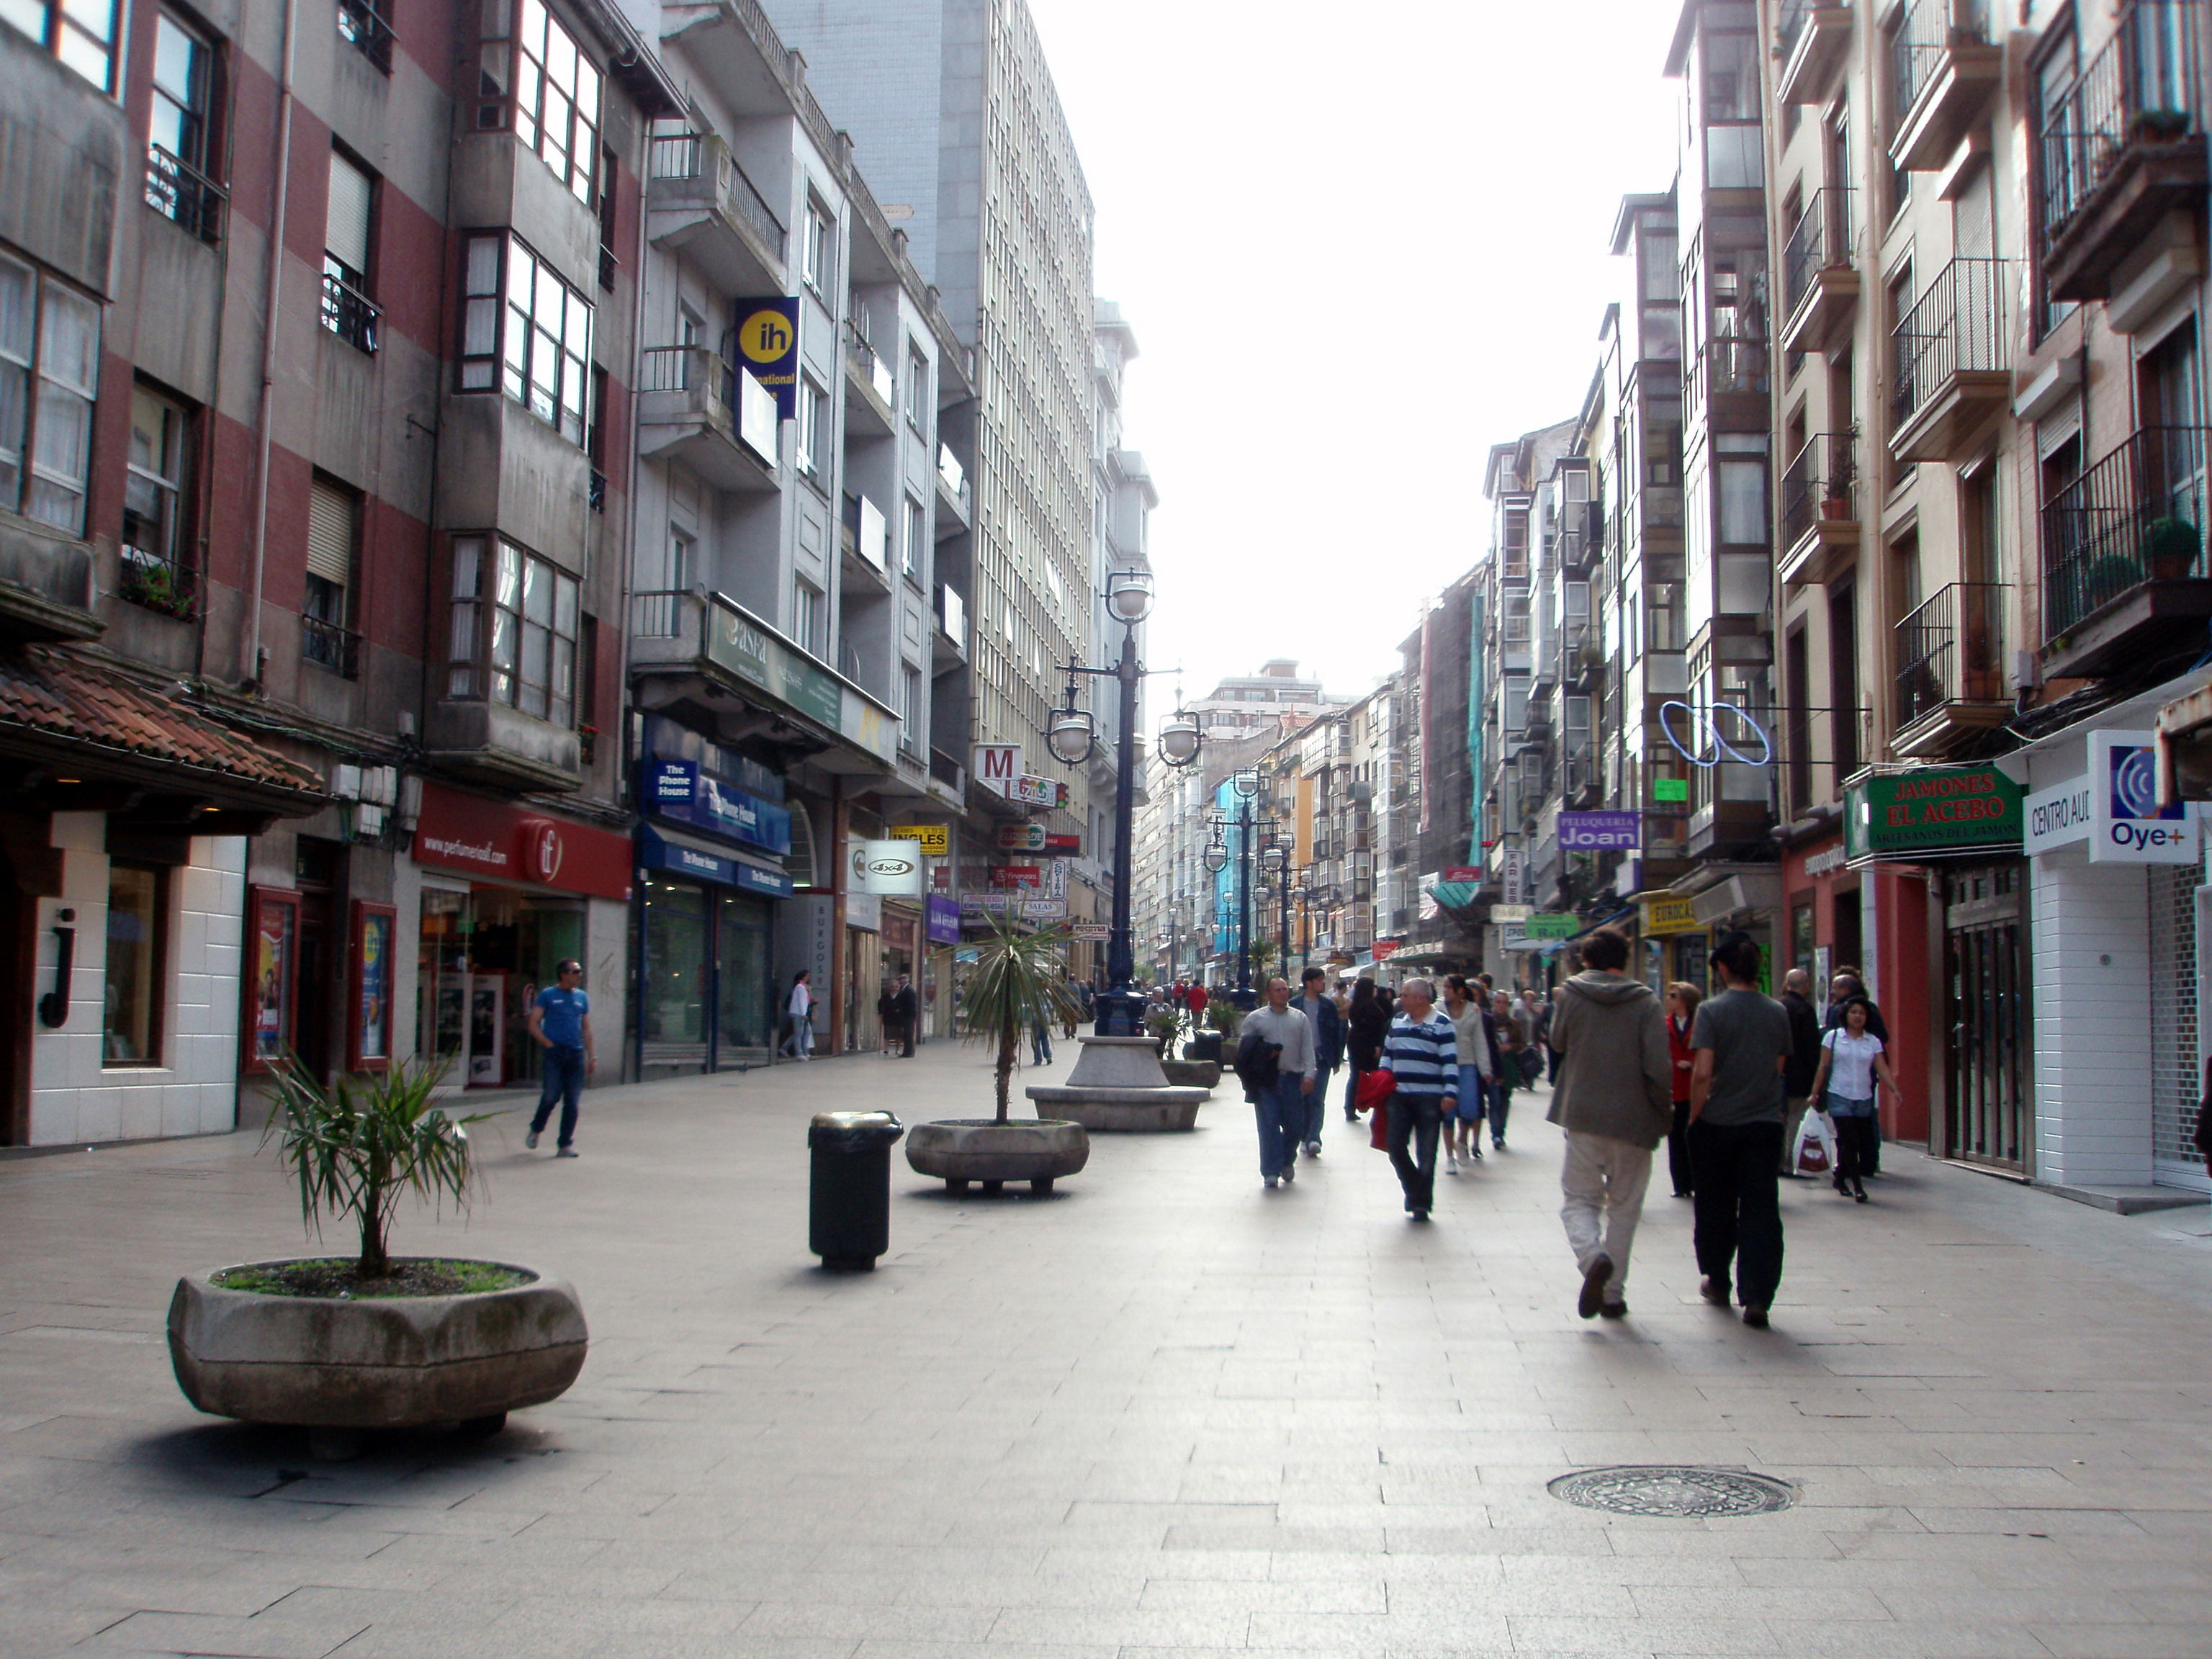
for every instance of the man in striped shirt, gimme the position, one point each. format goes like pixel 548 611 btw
pixel 1422 1052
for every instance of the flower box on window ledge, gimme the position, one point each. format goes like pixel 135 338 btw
pixel 157 584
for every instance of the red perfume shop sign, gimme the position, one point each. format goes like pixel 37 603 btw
pixel 499 842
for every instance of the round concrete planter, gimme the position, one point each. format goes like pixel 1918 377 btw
pixel 1192 1073
pixel 379 1363
pixel 1118 1086
pixel 962 1150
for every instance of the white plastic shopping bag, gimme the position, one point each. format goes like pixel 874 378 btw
pixel 1814 1153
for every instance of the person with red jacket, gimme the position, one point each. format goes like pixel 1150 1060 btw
pixel 1682 999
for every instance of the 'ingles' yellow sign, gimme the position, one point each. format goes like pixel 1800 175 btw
pixel 934 839
pixel 1669 916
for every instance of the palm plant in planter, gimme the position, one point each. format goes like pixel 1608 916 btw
pixel 1017 978
pixel 378 1341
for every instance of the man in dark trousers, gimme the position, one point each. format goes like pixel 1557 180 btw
pixel 1741 1040
pixel 1804 1058
pixel 906 1013
pixel 1314 1002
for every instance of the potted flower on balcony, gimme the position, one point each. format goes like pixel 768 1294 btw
pixel 2159 126
pixel 2170 549
pixel 379 1341
pixel 1017 979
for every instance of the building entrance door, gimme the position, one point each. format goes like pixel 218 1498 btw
pixel 1985 1117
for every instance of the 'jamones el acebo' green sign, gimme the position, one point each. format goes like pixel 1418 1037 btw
pixel 1935 809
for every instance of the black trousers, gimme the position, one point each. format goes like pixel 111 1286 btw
pixel 1678 1150
pixel 1416 1118
pixel 1855 1146
pixel 1738 1214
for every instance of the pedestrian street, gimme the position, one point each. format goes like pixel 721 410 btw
pixel 1162 1411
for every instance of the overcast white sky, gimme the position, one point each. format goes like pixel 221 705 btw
pixel 1358 244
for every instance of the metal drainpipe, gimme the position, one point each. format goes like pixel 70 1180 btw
pixel 252 665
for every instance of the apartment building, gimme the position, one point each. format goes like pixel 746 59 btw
pixel 953 114
pixel 1988 541
pixel 801 569
pixel 311 527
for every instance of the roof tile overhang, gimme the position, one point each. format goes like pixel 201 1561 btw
pixel 71 728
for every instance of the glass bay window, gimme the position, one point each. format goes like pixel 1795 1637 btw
pixel 514 628
pixel 526 333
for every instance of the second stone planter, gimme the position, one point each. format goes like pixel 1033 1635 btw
pixel 984 1152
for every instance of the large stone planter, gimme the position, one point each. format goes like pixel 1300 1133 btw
pixel 1117 1086
pixel 378 1363
pixel 1204 1045
pixel 1193 1074
pixel 960 1150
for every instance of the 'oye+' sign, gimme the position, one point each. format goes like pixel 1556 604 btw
pixel 2113 807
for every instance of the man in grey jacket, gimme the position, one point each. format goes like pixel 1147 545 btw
pixel 1615 1097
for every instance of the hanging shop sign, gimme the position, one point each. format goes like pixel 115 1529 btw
pixel 682 791
pixel 880 867
pixel 1021 838
pixel 1092 933
pixel 1018 875
pixel 499 842
pixel 996 765
pixel 671 785
pixel 1670 791
pixel 2113 807
pixel 768 340
pixel 864 911
pixel 1669 916
pixel 940 920
pixel 1551 924
pixel 1027 790
pixel 1934 810
pixel 1595 832
pixel 1461 872
pixel 931 839
pixel 1382 948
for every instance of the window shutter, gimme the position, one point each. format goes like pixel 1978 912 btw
pixel 330 533
pixel 347 238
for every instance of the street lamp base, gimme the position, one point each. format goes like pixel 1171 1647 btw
pixel 1120 1013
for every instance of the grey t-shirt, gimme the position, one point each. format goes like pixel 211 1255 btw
pixel 1747 1033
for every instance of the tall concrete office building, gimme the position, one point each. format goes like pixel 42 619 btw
pixel 975 161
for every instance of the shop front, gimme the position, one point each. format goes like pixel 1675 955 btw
pixel 713 855
pixel 508 893
pixel 1674 945
pixel 864 978
pixel 941 934
pixel 2116 902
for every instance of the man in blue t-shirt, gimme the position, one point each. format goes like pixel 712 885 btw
pixel 560 1023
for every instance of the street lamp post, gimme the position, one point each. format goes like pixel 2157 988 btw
pixel 1071 738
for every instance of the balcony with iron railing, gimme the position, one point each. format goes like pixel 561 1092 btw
pixel 1813 37
pixel 2124 148
pixel 181 193
pixel 1944 67
pixel 1729 378
pixel 363 27
pixel 1817 509
pixel 2124 577
pixel 1951 679
pixel 1952 356
pixel 701 204
pixel 712 415
pixel 158 581
pixel 953 492
pixel 348 312
pixel 330 645
pixel 1820 283
pixel 870 412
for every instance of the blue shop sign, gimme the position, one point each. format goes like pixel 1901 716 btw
pixel 678 790
pixel 656 851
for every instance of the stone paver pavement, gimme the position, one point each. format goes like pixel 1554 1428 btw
pixel 1162 1413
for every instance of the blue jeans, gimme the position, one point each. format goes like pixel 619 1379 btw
pixel 1281 1113
pixel 1316 1107
pixel 1501 1101
pixel 564 1082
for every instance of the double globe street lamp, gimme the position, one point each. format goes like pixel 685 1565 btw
pixel 1073 736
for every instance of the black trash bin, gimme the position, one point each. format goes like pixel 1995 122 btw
pixel 849 1221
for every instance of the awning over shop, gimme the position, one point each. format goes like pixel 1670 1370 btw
pixel 710 861
pixel 77 735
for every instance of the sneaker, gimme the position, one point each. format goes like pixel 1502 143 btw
pixel 1755 1317
pixel 1313 1149
pixel 1497 1146
pixel 1594 1282
pixel 1716 1294
pixel 1270 1183
pixel 1476 1152
pixel 568 1151
pixel 1451 1164
pixel 531 1141
pixel 1613 1311
pixel 1289 1173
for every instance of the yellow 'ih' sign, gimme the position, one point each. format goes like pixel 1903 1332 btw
pixel 1669 916
pixel 934 838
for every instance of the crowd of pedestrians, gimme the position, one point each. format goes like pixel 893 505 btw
pixel 1745 1089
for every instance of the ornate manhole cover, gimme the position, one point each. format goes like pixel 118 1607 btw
pixel 1672 1491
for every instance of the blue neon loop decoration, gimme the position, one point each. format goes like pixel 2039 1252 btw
pixel 1706 726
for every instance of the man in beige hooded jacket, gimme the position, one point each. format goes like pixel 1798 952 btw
pixel 1614 1097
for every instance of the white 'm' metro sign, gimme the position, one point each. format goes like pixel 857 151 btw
pixel 997 766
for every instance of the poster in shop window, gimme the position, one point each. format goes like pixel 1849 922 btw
pixel 372 926
pixel 272 925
